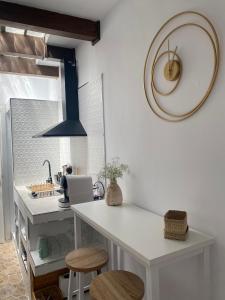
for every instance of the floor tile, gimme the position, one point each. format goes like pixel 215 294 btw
pixel 11 282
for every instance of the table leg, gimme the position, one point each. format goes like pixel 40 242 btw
pixel 77 231
pixel 206 274
pixel 109 266
pixel 77 240
pixel 120 254
pixel 113 256
pixel 152 283
pixel 107 248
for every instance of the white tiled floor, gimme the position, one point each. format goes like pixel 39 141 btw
pixel 11 283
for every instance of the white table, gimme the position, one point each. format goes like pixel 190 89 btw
pixel 140 233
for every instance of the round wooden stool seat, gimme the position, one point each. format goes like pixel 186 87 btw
pixel 86 259
pixel 117 285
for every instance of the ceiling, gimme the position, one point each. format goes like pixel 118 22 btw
pixel 61 41
pixel 90 9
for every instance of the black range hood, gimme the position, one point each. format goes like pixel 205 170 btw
pixel 71 125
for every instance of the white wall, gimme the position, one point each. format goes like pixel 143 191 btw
pixel 2 234
pixel 28 87
pixel 88 153
pixel 178 165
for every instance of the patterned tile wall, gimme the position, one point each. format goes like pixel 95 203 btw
pixel 28 118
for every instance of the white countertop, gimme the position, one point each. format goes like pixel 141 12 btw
pixel 138 231
pixel 42 210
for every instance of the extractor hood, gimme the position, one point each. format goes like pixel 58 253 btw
pixel 71 125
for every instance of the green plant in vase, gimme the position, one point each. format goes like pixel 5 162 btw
pixel 112 171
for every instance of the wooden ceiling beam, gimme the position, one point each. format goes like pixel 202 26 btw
pixel 24 17
pixel 22 46
pixel 24 66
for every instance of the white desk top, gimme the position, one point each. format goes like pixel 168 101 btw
pixel 138 231
pixel 42 210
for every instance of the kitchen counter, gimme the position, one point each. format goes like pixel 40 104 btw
pixel 40 210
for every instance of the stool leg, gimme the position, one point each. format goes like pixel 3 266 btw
pixel 81 286
pixel 99 272
pixel 70 286
pixel 93 275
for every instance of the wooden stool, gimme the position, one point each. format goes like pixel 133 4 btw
pixel 117 285
pixel 82 261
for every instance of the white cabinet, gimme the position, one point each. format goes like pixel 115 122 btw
pixel 26 236
pixel 20 236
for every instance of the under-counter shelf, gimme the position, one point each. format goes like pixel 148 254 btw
pixel 24 260
pixel 46 265
pixel 24 241
pixel 23 233
pixel 15 236
pixel 35 218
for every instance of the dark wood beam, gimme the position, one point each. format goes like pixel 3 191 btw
pixel 25 66
pixel 24 17
pixel 22 46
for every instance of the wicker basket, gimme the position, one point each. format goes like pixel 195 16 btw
pixel 175 236
pixel 176 222
pixel 52 292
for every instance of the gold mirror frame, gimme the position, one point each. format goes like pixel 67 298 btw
pixel 168 116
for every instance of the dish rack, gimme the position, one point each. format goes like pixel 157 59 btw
pixel 42 190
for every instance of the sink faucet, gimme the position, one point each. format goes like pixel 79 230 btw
pixel 49 180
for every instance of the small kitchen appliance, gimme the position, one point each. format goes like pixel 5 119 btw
pixel 77 189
